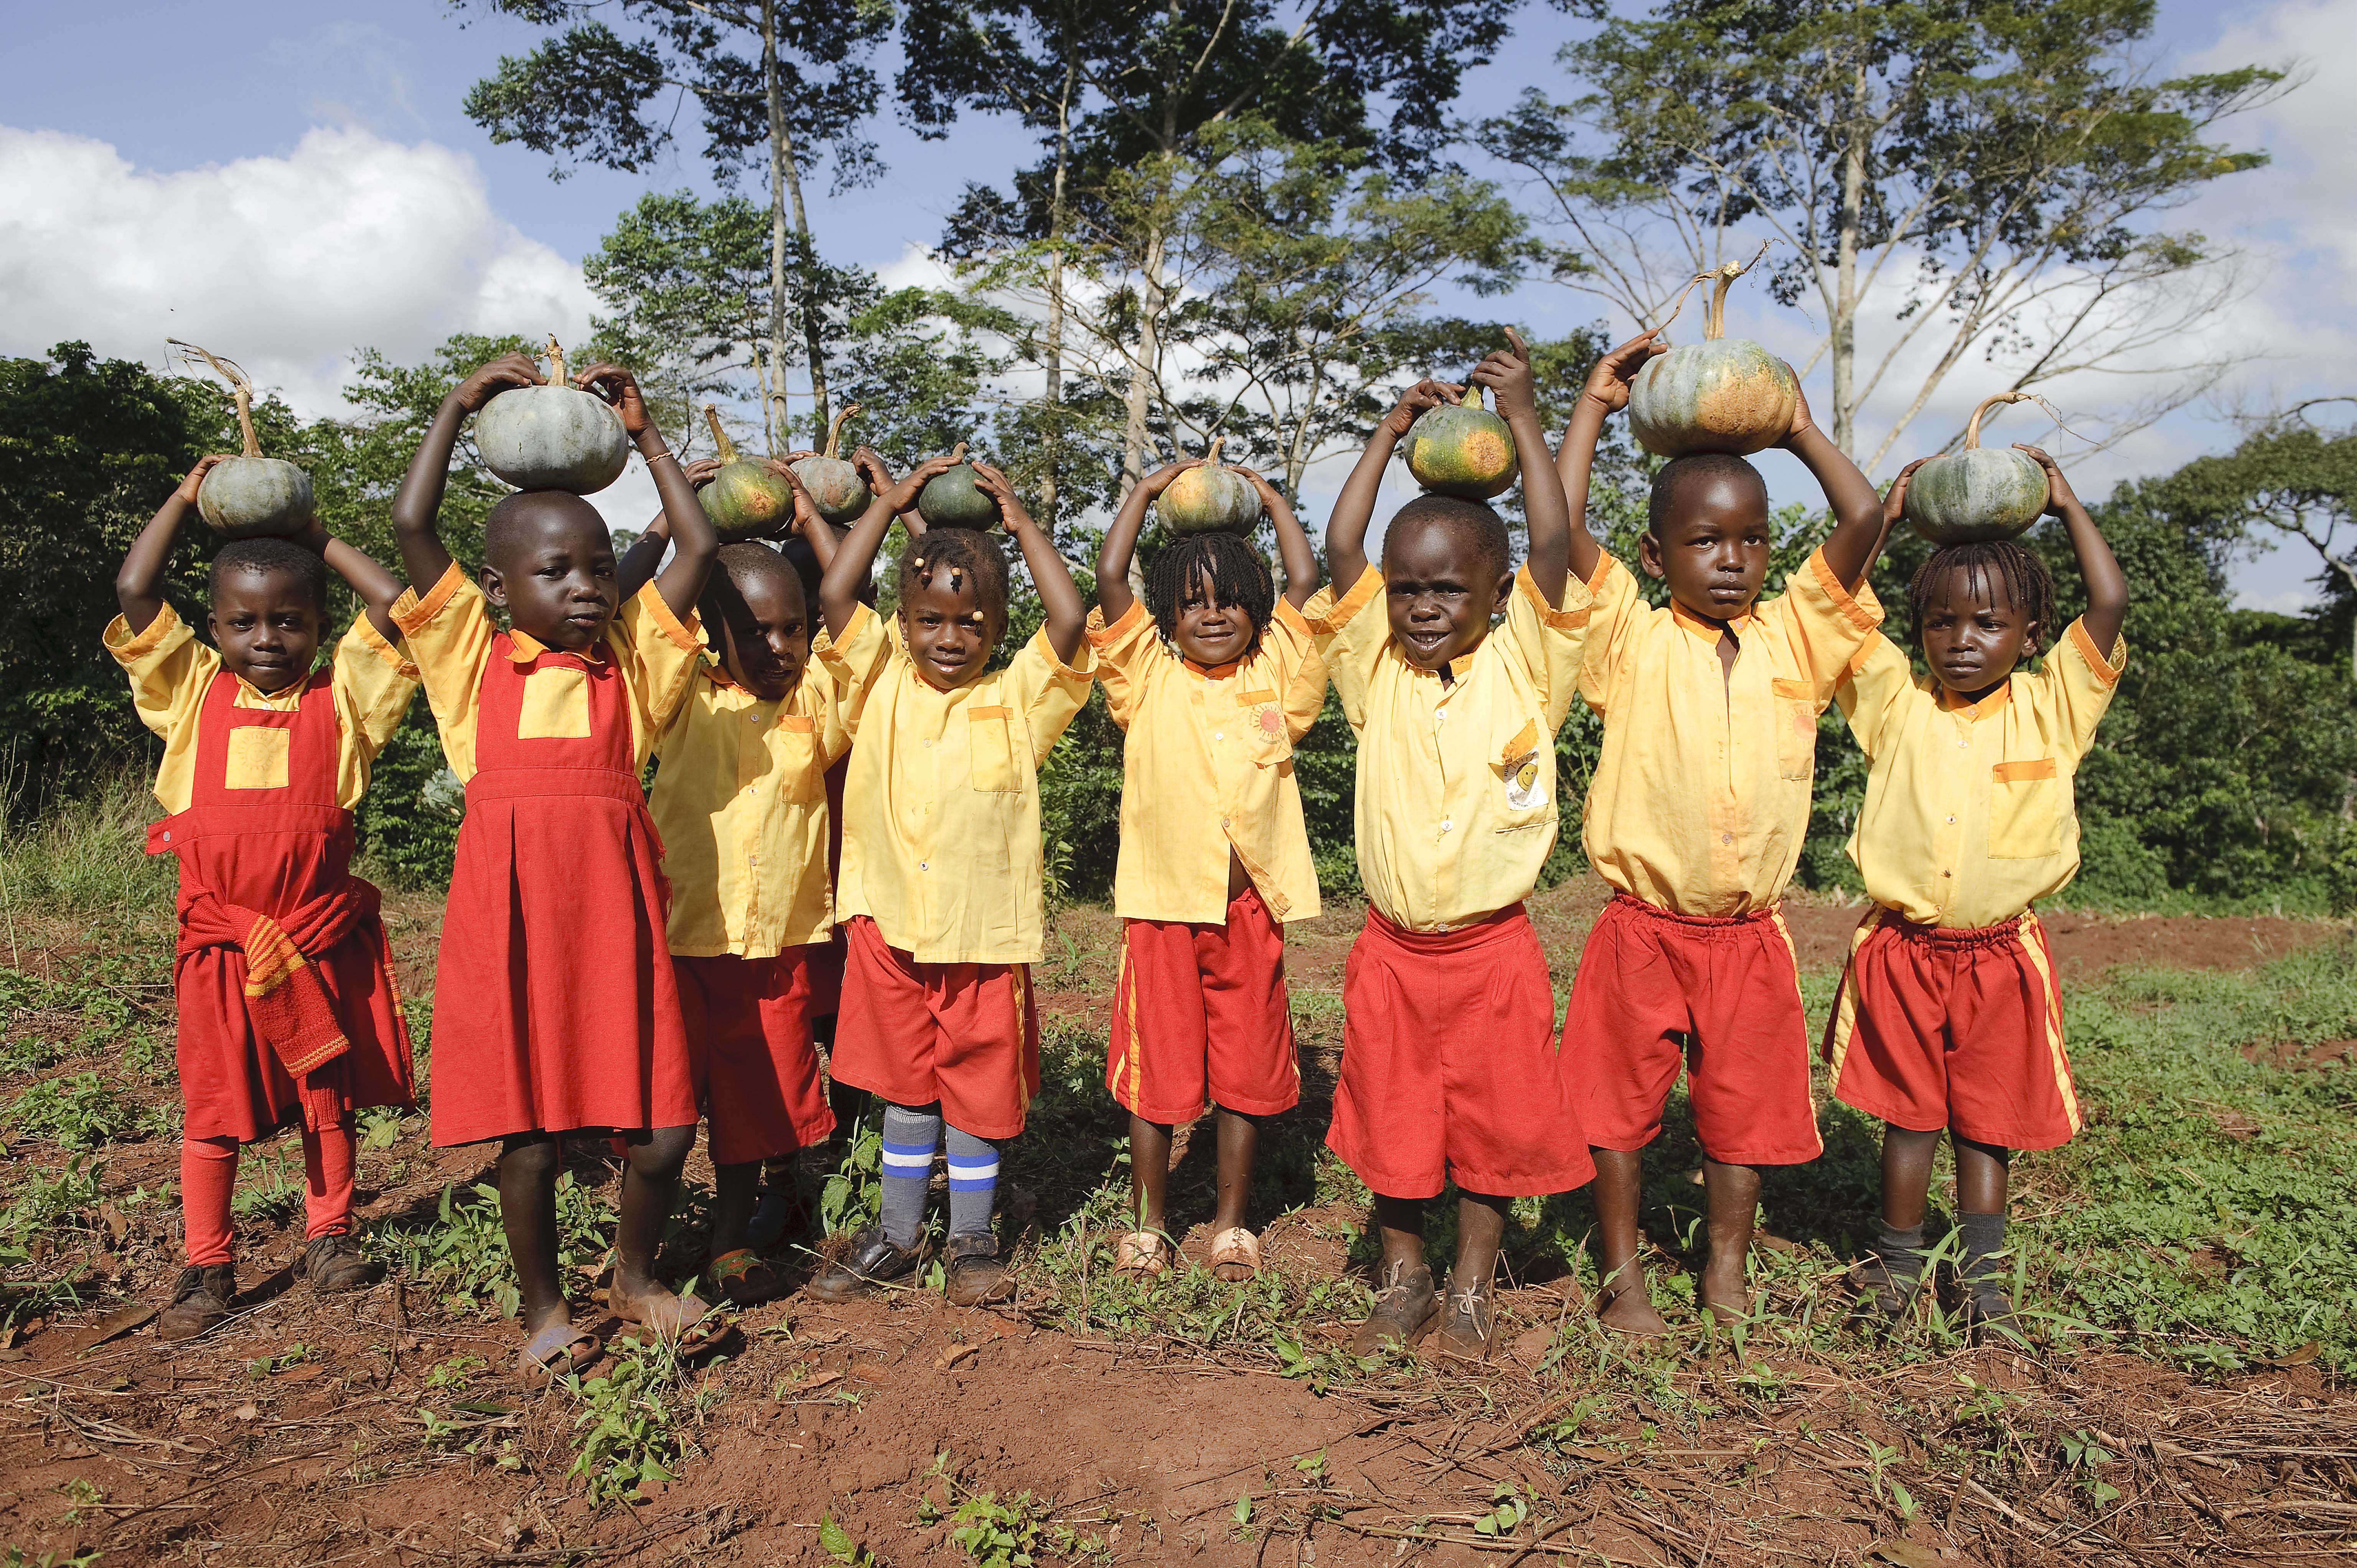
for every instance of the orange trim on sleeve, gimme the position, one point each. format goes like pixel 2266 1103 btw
pixel 2023 772
pixel 828 645
pixel 1604 565
pixel 1061 671
pixel 1347 607
pixel 1571 617
pixel 1100 633
pixel 410 612
pixel 685 633
pixel 1290 613
pixel 2105 669
pixel 373 640
pixel 128 647
pixel 1850 671
pixel 1859 616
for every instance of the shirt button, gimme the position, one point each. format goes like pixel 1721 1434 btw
pixel 1727 838
pixel 922 866
pixel 1951 819
pixel 1964 743
pixel 1445 824
pixel 749 788
pixel 1223 822
pixel 929 742
pixel 1219 734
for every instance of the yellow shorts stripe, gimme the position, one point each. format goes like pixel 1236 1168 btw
pixel 2033 943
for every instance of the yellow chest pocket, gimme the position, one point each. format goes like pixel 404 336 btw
pixel 990 749
pixel 793 743
pixel 1265 740
pixel 1797 729
pixel 256 758
pixel 2025 810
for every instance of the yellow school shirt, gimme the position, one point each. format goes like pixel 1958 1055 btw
pixel 1701 794
pixel 170 671
pixel 1457 799
pixel 741 804
pixel 1207 767
pixel 449 632
pixel 1969 817
pixel 941 805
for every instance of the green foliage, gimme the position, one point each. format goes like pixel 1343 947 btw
pixel 853 1194
pixel 462 1252
pixel 626 1435
pixel 77 1112
pixel 1014 1532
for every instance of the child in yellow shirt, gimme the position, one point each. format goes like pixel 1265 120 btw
pixel 1695 816
pixel 1212 677
pixel 1448 1064
pixel 1949 1017
pixel 940 879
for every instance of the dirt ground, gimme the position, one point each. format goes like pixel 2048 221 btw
pixel 233 1450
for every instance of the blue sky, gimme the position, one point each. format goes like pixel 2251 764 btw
pixel 297 179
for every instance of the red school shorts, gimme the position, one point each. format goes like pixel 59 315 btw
pixel 1729 990
pixel 748 1030
pixel 1449 1066
pixel 1960 1029
pixel 1199 1016
pixel 963 1034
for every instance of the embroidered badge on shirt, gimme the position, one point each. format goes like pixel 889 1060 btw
pixel 1524 788
pixel 1271 722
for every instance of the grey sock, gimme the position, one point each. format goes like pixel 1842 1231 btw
pixel 910 1133
pixel 1901 1251
pixel 1984 1237
pixel 974 1183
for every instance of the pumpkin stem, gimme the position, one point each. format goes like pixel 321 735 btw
pixel 1471 397
pixel 1973 428
pixel 720 442
pixel 957 453
pixel 555 362
pixel 835 429
pixel 240 383
pixel 1211 457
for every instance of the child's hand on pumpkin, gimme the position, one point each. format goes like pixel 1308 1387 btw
pixel 805 515
pixel 1894 503
pixel 1426 393
pixel 1270 496
pixel 1609 383
pixel 901 494
pixel 502 374
pixel 620 387
pixel 699 472
pixel 1802 421
pixel 1507 373
pixel 2059 493
pixel 1154 483
pixel 186 493
pixel 999 487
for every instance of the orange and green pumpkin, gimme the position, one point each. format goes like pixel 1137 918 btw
pixel 955 498
pixel 1462 449
pixel 554 436
pixel 835 487
pixel 250 495
pixel 1208 500
pixel 1979 492
pixel 1722 394
pixel 746 500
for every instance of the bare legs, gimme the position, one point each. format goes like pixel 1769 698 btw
pixel 528 1170
pixel 1732 1207
pixel 1149 1170
pixel 1981 1175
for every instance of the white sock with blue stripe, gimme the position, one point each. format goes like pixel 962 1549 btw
pixel 974 1183
pixel 910 1133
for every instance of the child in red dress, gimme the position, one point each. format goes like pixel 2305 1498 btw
pixel 557 1010
pixel 287 1009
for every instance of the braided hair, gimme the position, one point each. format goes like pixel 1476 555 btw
pixel 1223 567
pixel 2028 585
pixel 952 557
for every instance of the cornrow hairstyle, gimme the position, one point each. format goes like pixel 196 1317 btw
pixel 506 528
pixel 1222 566
pixel 1476 525
pixel 952 557
pixel 2028 585
pixel 265 557
pixel 1679 474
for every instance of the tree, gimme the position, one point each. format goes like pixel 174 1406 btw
pixel 1995 169
pixel 592 93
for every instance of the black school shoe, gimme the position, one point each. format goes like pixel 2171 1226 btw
pixel 333 1262
pixel 201 1300
pixel 976 1276
pixel 870 1262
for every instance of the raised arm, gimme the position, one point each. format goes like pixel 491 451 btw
pixel 806 521
pixel 637 567
pixel 838 587
pixel 1113 596
pixel 376 586
pixel 1293 551
pixel 2107 586
pixel 139 581
pixel 1507 373
pixel 1067 616
pixel 417 504
pixel 1354 509
pixel 1606 394
pixel 694 544
pixel 1858 511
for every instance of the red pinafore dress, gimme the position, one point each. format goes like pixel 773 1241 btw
pixel 284 851
pixel 554 1003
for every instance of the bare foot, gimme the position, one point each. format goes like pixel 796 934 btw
pixel 1628 1308
pixel 1722 1291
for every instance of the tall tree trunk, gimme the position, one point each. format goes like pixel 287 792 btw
pixel 1845 322
pixel 1136 403
pixel 786 185
pixel 1055 431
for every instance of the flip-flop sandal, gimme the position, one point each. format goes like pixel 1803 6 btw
pixel 1236 1248
pixel 558 1350
pixel 745 1278
pixel 1141 1253
pixel 685 1339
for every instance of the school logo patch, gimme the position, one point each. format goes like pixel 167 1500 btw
pixel 1524 788
pixel 1271 722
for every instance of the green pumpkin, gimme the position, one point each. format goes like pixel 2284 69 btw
pixel 1980 492
pixel 955 498
pixel 1462 449
pixel 746 501
pixel 249 496
pixel 553 438
pixel 1722 394
pixel 1208 500
pixel 836 488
